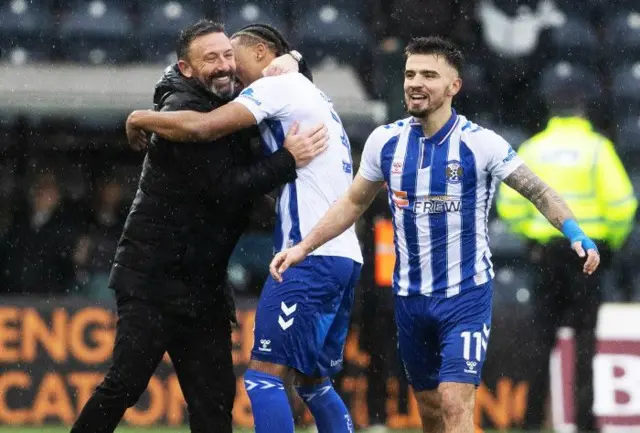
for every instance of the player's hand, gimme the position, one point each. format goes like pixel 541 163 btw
pixel 284 260
pixel 308 144
pixel 281 65
pixel 592 254
pixel 136 137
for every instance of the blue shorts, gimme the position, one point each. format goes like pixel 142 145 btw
pixel 444 339
pixel 303 322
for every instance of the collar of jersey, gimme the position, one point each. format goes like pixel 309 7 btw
pixel 440 136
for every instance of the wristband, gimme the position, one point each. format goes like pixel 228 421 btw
pixel 574 233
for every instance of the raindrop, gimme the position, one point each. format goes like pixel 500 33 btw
pixel 505 276
pixel 564 69
pixel 173 10
pixel 523 295
pixel 328 14
pixel 97 56
pixel 170 58
pixel 250 12
pixel 18 56
pixel 633 20
pixel 18 7
pixel 237 275
pixel 97 9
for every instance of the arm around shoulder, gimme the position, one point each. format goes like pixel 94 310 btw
pixel 189 126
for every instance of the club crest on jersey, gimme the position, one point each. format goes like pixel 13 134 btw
pixel 454 171
pixel 396 167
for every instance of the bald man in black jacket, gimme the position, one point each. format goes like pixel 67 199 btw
pixel 193 203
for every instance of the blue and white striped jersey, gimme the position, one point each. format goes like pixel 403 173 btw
pixel 440 193
pixel 277 102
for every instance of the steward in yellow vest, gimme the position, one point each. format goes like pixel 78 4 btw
pixel 581 166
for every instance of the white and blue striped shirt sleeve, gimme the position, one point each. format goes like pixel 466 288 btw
pixel 370 162
pixel 502 159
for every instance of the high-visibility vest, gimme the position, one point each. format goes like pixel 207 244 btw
pixel 385 254
pixel 583 167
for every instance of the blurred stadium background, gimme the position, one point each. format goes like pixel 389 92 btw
pixel 71 70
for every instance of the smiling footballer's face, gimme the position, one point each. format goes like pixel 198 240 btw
pixel 429 83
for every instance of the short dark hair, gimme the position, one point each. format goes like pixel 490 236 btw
pixel 255 33
pixel 438 46
pixel 189 34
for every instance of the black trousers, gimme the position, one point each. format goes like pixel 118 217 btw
pixel 564 296
pixel 200 350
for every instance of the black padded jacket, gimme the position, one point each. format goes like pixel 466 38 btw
pixel 192 205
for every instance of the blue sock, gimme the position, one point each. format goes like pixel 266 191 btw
pixel 327 408
pixel 269 403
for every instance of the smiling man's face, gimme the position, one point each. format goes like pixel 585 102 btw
pixel 429 81
pixel 210 60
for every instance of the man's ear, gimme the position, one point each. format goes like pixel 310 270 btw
pixel 260 50
pixel 185 69
pixel 455 87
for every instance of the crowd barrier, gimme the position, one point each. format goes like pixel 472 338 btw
pixel 54 352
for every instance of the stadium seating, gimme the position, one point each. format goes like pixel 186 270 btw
pixel 634 175
pixel 562 79
pixel 474 95
pixel 353 10
pixel 515 135
pixel 96 32
pixel 628 141
pixel 25 31
pixel 575 42
pixel 584 9
pixel 7 179
pixel 330 29
pixel 8 119
pixel 622 38
pixel 512 29
pixel 160 24
pixel 239 13
pixel 626 90
pixel 388 79
pixel 97 126
pixel 511 7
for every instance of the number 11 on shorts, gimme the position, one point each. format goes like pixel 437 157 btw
pixel 466 336
pixel 480 343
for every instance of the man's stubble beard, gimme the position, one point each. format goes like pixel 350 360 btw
pixel 424 114
pixel 228 94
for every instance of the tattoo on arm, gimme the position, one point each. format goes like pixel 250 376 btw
pixel 534 189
